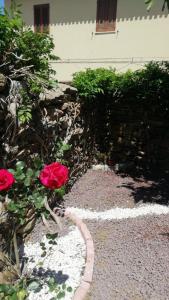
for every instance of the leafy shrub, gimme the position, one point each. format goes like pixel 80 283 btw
pixel 25 58
pixel 148 86
pixel 24 55
pixel 127 114
pixel 24 196
pixel 91 83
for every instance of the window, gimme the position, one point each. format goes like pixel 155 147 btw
pixel 106 15
pixel 41 18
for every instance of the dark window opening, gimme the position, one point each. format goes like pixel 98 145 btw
pixel 106 15
pixel 41 18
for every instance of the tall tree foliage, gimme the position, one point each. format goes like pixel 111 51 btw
pixel 149 4
pixel 24 54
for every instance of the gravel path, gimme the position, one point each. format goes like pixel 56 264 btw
pixel 102 190
pixel 132 259
pixel 132 256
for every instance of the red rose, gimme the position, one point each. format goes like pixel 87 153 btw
pixel 6 180
pixel 54 175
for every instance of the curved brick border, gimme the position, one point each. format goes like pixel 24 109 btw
pixel 86 281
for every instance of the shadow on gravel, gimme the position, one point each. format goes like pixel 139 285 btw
pixel 59 277
pixel 150 191
pixel 165 235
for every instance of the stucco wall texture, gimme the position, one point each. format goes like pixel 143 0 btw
pixel 140 36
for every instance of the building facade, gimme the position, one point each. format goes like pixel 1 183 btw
pixel 100 33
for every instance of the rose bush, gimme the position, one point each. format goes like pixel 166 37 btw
pixel 6 180
pixel 31 198
pixel 21 205
pixel 54 176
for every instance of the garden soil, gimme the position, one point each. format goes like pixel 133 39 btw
pixel 131 255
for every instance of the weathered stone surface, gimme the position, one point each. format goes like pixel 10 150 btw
pixel 63 93
pixel 3 82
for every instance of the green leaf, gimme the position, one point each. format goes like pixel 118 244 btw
pixel 27 181
pixel 21 221
pixel 21 295
pixel 51 236
pixel 19 176
pixel 43 254
pixel 6 289
pixel 69 289
pixel 12 207
pixel 37 174
pixel 65 147
pixel 37 163
pixel 29 172
pixel 60 192
pixel 20 165
pixel 149 4
pixel 11 171
pixel 165 4
pixel 64 286
pixel 61 295
pixel 33 286
pixel 14 296
pixel 52 284
pixel 42 244
pixel 39 202
pixel 51 281
pixel 51 242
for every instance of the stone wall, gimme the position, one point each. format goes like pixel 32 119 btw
pixel 128 137
pixel 133 138
pixel 56 123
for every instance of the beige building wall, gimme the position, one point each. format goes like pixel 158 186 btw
pixel 139 37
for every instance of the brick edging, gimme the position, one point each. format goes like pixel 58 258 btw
pixel 86 281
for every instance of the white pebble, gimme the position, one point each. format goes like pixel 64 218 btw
pixel 68 256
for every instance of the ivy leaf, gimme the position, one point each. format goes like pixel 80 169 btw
pixel 69 289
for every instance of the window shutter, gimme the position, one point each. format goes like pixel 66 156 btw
pixel 37 18
pixel 45 17
pixel 106 15
pixel 41 18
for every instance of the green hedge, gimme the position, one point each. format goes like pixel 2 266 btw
pixel 128 113
pixel 149 86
